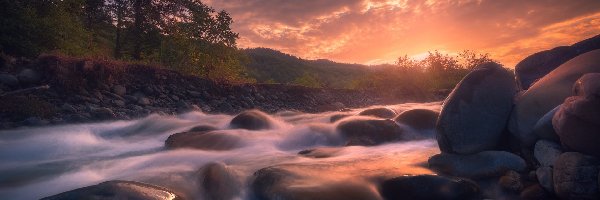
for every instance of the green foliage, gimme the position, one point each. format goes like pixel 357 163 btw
pixel 308 80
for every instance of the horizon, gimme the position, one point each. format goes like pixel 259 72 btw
pixel 372 32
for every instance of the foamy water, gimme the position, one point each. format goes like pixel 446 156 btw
pixel 40 162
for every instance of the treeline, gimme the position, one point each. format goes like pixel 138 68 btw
pixel 185 35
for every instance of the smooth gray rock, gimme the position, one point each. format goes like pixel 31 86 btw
pixel 474 116
pixel 425 187
pixel 219 182
pixel 384 113
pixel 369 132
pixel 214 140
pixel 481 165
pixel 420 119
pixel 576 176
pixel 118 190
pixel 29 76
pixel 9 80
pixel 546 152
pixel 544 177
pixel 251 120
pixel 119 90
pixel 544 128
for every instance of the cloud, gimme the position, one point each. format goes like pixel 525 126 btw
pixel 374 31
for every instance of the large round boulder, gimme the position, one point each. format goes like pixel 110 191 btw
pixel 419 119
pixel 219 182
pixel 214 140
pixel 368 132
pixel 546 152
pixel 576 176
pixel 481 165
pixel 473 117
pixel 251 120
pixel 118 190
pixel 547 93
pixel 539 64
pixel 544 129
pixel 384 113
pixel 425 187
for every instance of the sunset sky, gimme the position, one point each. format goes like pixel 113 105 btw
pixel 378 31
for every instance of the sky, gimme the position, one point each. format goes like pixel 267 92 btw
pixel 379 31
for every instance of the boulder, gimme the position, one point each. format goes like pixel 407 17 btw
pixel 536 66
pixel 219 182
pixel 368 132
pixel 322 152
pixel 547 93
pixel 544 177
pixel 29 76
pixel 118 190
pixel 103 113
pixel 119 90
pixel 202 128
pixel 481 165
pixel 9 80
pixel 576 176
pixel 203 140
pixel 419 119
pixel 544 129
pixel 251 120
pixel 337 117
pixel 546 152
pixel 511 181
pixel 432 187
pixel 273 183
pixel 474 116
pixel 577 122
pixel 384 113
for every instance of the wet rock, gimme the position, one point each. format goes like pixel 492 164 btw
pixel 143 101
pixel 337 117
pixel 474 116
pixel 576 176
pixel 9 80
pixel 535 192
pixel 29 76
pixel 202 128
pixel 547 93
pixel 385 113
pixel 419 119
pixel 546 152
pixel 219 182
pixel 35 121
pixel 251 120
pixel 536 66
pixel 432 187
pixel 119 103
pixel 481 165
pixel 369 132
pixel 217 141
pixel 544 129
pixel 119 90
pixel 544 177
pixel 577 122
pixel 68 108
pixel 511 181
pixel 274 183
pixel 103 113
pixel 322 152
pixel 118 190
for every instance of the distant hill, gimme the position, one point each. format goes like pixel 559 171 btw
pixel 272 66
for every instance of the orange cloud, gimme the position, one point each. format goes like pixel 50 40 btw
pixel 378 31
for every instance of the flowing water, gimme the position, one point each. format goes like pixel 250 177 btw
pixel 39 162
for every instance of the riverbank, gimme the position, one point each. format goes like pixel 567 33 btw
pixel 61 90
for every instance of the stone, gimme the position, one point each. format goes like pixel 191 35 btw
pixel 118 190
pixel 119 90
pixel 575 176
pixel 219 182
pixel 143 101
pixel 273 183
pixel 547 93
pixel 588 86
pixel 103 113
pixel 369 132
pixel 119 103
pixel 29 76
pixel 201 128
pixel 322 152
pixel 544 177
pixel 474 116
pixel 217 141
pixel 337 117
pixel 577 122
pixel 9 80
pixel 68 108
pixel 535 192
pixel 544 129
pixel 546 152
pixel 385 113
pixel 480 165
pixel 432 187
pixel 511 181
pixel 251 120
pixel 420 119
pixel 536 66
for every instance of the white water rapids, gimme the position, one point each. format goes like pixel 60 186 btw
pixel 40 162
